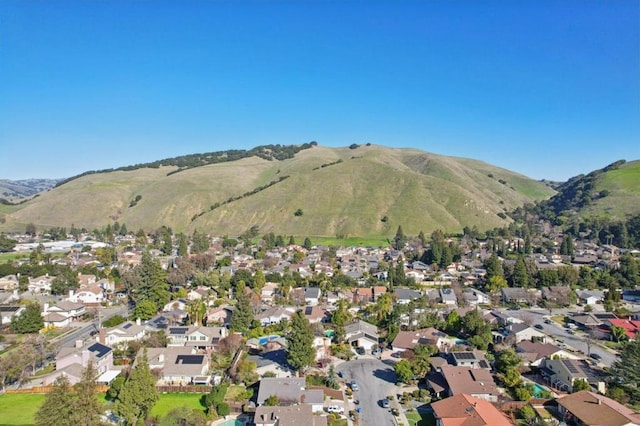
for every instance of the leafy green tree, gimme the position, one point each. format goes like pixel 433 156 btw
pixel 57 408
pixel 341 315
pixel 580 385
pixel 86 407
pixel 506 359
pixel 259 280
pixel 138 394
pixel 332 378
pixel 307 243
pixel 183 245
pixel 65 280
pixel 300 342
pixel 403 370
pixel 115 387
pixel 383 306
pixel 524 392
pixel 184 416
pixel 453 323
pixel 29 321
pixel 223 409
pixel 145 310
pixel 215 396
pixel 147 281
pixel 496 283
pixel 272 401
pixel 421 363
pixel 511 378
pixel 493 267
pixel 6 243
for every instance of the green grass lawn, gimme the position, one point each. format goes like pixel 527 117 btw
pixel 19 408
pixel 418 419
pixel 169 401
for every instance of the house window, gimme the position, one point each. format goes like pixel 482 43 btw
pixel 203 338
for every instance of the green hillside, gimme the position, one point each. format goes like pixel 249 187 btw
pixel 337 190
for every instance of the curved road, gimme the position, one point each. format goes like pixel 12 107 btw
pixel 376 381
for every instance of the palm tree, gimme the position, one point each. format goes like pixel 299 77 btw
pixel 618 334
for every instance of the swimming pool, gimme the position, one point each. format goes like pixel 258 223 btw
pixel 232 422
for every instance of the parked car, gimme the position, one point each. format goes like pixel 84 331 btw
pixel 548 321
pixel 386 403
pixel 595 356
pixel 539 326
pixel 335 409
pixel 354 387
pixel 360 350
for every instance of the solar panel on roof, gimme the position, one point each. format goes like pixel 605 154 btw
pixel 464 355
pixel 127 325
pixel 178 330
pixel 189 359
pixel 100 349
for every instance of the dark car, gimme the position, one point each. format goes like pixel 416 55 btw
pixel 595 356
pixel 539 326
pixel 360 350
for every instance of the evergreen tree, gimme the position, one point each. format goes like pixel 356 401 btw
pixel 300 342
pixel 520 274
pixel 138 394
pixel 57 408
pixel 242 316
pixel 183 248
pixel 307 243
pixel 626 370
pixel 29 321
pixel 400 239
pixel 493 267
pixel 86 407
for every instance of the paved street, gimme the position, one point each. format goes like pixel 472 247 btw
pixel 376 381
pixel 577 341
pixel 83 330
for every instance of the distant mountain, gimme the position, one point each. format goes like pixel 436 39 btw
pixel 15 191
pixel 317 191
pixel 613 191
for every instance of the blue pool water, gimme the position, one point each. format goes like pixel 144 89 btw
pixel 232 423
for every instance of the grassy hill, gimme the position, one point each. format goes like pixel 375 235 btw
pixel 613 191
pixel 337 191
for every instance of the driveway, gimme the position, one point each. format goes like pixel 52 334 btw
pixel 376 381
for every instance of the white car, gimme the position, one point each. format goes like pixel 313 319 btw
pixel 335 409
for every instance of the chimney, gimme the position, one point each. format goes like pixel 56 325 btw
pixel 599 401
pixel 161 358
pixel 103 336
pixel 138 322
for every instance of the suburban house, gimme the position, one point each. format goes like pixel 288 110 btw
pixel 472 359
pixel 292 415
pixel 520 332
pixel 220 315
pixel 562 373
pixel 559 294
pixel 201 338
pixel 426 336
pixel 590 297
pixel 519 295
pixel 71 361
pixel 275 315
pixel 122 334
pixel 631 327
pixel 475 382
pixel 309 296
pixel 180 304
pixel 272 362
pixel 179 366
pixel 448 297
pixel 62 314
pixel 464 409
pixel 41 284
pixel 533 354
pixel 405 295
pixel 8 312
pixel 9 283
pixel 589 408
pixel 290 391
pixel 90 295
pixel 475 297
pixel 314 314
pixel 361 334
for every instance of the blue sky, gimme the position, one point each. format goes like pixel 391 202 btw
pixel 550 89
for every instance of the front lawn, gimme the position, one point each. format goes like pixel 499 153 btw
pixel 169 401
pixel 420 419
pixel 19 408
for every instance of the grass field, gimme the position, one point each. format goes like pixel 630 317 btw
pixel 169 401
pixel 19 409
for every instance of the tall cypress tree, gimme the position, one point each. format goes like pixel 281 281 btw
pixel 57 408
pixel 138 394
pixel 86 407
pixel 300 342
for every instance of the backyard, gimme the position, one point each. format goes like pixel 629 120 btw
pixel 19 408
